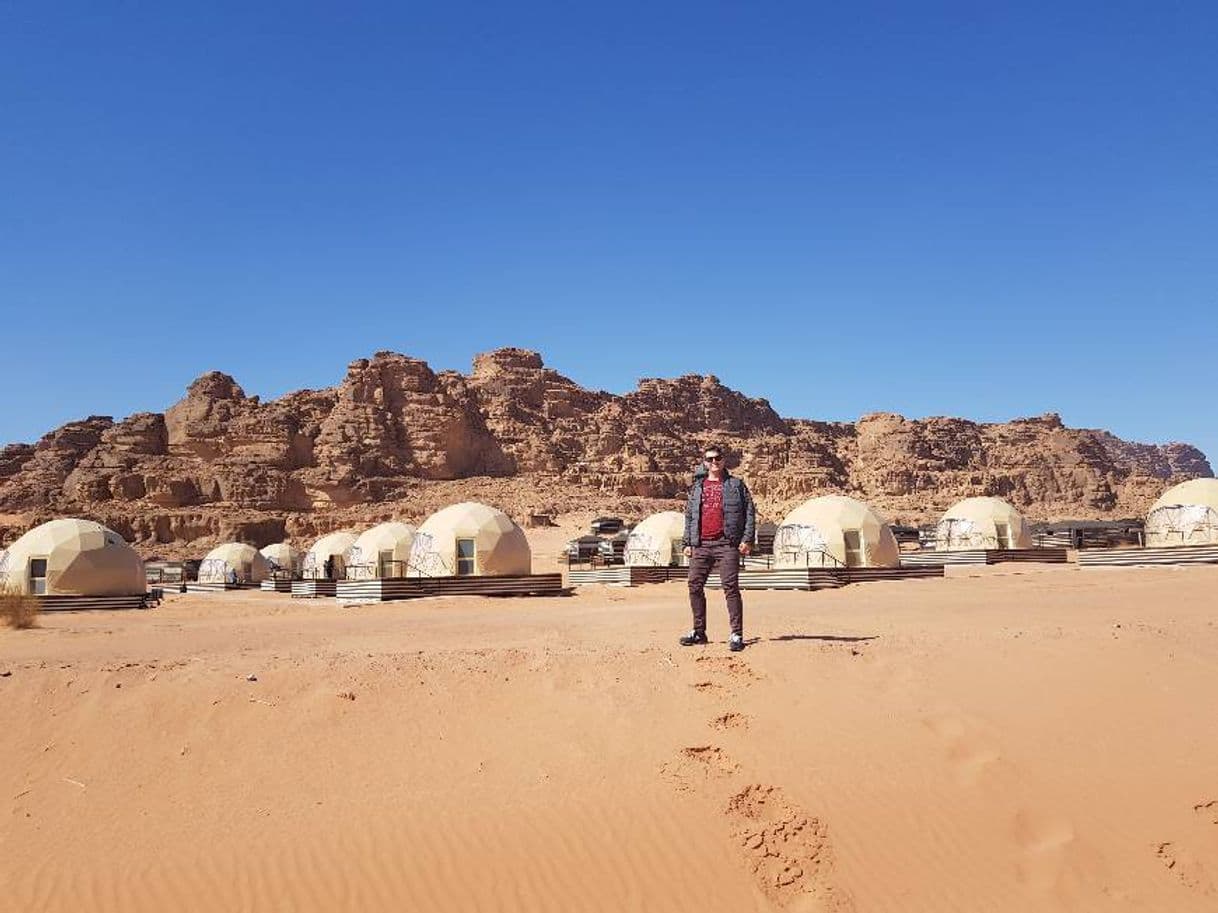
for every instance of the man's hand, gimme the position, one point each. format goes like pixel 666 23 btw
pixel 745 548
pixel 687 551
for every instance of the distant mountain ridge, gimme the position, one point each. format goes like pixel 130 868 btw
pixel 396 438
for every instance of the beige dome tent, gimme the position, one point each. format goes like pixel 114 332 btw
pixel 982 523
pixel 469 539
pixel 383 551
pixel 835 531
pixel 1186 514
pixel 656 541
pixel 234 562
pixel 283 559
pixel 72 558
pixel 335 548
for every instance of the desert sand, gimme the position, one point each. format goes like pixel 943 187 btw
pixel 1032 740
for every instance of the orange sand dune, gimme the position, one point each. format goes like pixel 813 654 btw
pixel 1005 742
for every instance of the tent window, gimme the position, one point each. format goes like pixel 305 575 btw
pixel 854 547
pixel 1004 535
pixel 465 557
pixel 38 576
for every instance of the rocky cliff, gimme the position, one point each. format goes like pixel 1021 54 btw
pixel 395 438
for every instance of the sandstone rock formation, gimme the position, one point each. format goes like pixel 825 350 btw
pixel 395 438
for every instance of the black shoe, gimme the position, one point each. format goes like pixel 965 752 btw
pixel 736 644
pixel 693 637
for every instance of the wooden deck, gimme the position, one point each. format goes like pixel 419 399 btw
pixel 986 556
pixel 1145 557
pixel 92 603
pixel 824 578
pixel 622 575
pixel 313 589
pixel 387 589
pixel 210 587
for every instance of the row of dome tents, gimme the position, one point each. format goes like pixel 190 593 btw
pixel 73 563
pixel 464 549
pixel 833 539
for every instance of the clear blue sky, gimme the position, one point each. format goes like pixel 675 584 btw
pixel 955 209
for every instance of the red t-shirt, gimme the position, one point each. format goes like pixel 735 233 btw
pixel 712 510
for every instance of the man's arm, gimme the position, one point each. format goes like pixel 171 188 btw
pixel 750 517
pixel 689 517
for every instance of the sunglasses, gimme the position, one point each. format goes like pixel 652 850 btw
pixel 717 458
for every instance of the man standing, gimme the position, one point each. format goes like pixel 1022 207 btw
pixel 719 528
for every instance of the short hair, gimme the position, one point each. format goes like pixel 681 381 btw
pixel 715 447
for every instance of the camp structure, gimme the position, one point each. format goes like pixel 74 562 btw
pixel 653 554
pixel 656 541
pixel 1181 528
pixel 983 530
pixel 828 542
pixel 325 563
pixel 834 531
pixel 981 523
pixel 382 551
pixel 230 566
pixel 284 564
pixel 464 549
pixel 75 564
pixel 1185 514
pixel 470 540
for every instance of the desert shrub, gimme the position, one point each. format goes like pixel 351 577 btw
pixel 18 610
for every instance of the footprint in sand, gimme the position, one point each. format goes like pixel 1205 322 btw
pixel 1208 810
pixel 736 670
pixel 968 754
pixel 1185 866
pixel 787 850
pixel 697 764
pixel 730 720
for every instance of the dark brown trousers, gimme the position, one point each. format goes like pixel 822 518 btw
pixel 723 557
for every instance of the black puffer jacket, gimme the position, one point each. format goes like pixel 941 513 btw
pixel 739 515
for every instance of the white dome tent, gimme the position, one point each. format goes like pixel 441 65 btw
pixel 283 560
pixel 331 551
pixel 1185 514
pixel 982 523
pixel 234 563
pixel 382 551
pixel 469 540
pixel 834 531
pixel 74 563
pixel 656 541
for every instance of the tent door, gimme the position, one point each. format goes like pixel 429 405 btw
pixel 1004 535
pixel 465 557
pixel 854 547
pixel 384 563
pixel 38 576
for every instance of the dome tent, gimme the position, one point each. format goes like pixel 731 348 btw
pixel 72 558
pixel 334 548
pixel 656 541
pixel 469 539
pixel 283 559
pixel 982 523
pixel 835 531
pixel 1185 514
pixel 234 562
pixel 382 551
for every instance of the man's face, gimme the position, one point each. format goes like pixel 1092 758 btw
pixel 714 460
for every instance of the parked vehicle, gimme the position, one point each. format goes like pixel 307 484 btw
pixel 583 548
pixel 613 550
pixel 607 526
